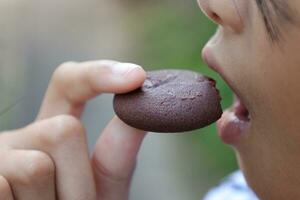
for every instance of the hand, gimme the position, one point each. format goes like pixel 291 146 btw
pixel 49 159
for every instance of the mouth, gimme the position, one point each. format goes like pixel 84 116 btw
pixel 235 120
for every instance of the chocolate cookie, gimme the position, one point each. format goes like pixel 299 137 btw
pixel 170 101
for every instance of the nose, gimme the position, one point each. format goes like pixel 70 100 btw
pixel 223 12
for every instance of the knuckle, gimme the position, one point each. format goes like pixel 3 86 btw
pixel 60 72
pixel 67 127
pixel 3 139
pixel 4 185
pixel 38 166
pixel 110 174
pixel 8 138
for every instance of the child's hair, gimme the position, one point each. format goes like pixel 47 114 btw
pixel 273 12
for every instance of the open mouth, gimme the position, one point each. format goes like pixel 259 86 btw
pixel 235 120
pixel 240 110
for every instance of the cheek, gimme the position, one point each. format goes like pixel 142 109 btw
pixel 278 84
pixel 268 73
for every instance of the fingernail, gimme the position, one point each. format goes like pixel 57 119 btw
pixel 122 69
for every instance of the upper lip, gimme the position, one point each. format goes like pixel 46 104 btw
pixel 211 61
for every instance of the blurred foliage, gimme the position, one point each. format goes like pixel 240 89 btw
pixel 171 35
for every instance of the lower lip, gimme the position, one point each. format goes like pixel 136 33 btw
pixel 233 124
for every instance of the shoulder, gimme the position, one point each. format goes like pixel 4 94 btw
pixel 234 187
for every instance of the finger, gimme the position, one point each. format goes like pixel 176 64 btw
pixel 30 173
pixel 64 139
pixel 5 190
pixel 74 83
pixel 114 159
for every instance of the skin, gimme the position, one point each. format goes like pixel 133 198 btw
pixel 49 160
pixel 266 76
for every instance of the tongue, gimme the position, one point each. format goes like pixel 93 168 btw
pixel 240 110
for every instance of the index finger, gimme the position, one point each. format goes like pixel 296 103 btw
pixel 73 84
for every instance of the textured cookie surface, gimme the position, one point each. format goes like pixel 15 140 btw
pixel 170 101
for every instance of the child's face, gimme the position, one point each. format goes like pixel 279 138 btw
pixel 260 60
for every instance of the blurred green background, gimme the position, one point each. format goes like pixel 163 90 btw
pixel 37 36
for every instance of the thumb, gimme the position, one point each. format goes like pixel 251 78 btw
pixel 114 159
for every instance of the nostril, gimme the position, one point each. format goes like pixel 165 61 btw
pixel 216 18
